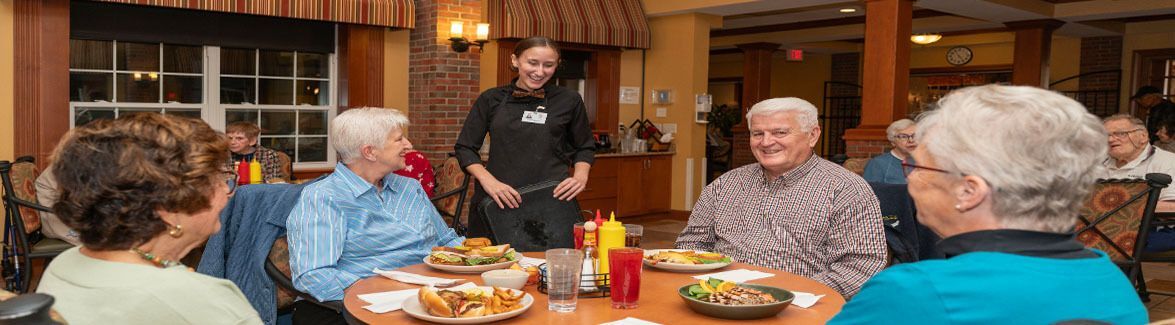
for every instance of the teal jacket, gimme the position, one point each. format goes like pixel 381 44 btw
pixel 996 288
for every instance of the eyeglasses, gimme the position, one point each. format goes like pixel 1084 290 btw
pixel 230 178
pixel 1123 134
pixel 904 137
pixel 909 168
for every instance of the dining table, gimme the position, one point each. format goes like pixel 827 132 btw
pixel 659 300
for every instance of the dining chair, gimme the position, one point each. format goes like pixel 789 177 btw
pixel 907 240
pixel 23 241
pixel 452 185
pixel 541 222
pixel 29 308
pixel 287 166
pixel 856 165
pixel 1114 220
pixel 277 267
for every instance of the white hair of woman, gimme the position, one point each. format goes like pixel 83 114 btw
pixel 897 126
pixel 357 127
pixel 1039 151
pixel 806 114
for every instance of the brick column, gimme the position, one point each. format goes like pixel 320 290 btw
pixel 887 56
pixel 442 84
pixel 756 88
pixel 1100 54
pixel 1030 59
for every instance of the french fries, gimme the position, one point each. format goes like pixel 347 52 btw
pixel 503 301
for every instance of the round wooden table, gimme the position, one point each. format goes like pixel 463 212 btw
pixel 659 301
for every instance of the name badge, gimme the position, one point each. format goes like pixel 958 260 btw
pixel 534 117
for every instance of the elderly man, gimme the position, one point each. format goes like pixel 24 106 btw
pixel 1159 111
pixel 1131 156
pixel 1004 195
pixel 792 210
pixel 362 216
pixel 887 168
pixel 242 141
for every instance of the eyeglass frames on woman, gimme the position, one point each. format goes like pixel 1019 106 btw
pixel 909 168
pixel 230 178
pixel 904 137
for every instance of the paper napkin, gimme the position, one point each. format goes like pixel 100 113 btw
pixel 736 276
pixel 805 300
pixel 382 302
pixel 631 321
pixel 416 278
pixel 530 261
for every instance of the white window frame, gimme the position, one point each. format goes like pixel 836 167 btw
pixel 212 111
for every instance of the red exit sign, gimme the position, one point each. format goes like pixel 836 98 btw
pixel 795 54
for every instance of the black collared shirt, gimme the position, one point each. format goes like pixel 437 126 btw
pixel 1019 242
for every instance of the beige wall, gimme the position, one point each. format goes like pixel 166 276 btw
pixel 630 76
pixel 6 80
pixel 679 61
pixel 1142 36
pixel 396 49
pixel 801 79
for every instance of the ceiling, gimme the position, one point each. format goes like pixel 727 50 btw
pixel 819 25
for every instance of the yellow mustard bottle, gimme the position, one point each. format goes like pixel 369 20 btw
pixel 611 235
pixel 255 172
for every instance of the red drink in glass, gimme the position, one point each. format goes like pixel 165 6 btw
pixel 625 265
pixel 577 233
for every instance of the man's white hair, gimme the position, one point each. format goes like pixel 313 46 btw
pixel 357 127
pixel 806 114
pixel 1040 151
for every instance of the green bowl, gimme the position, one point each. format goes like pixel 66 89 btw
pixel 783 298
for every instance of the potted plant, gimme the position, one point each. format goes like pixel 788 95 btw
pixel 724 117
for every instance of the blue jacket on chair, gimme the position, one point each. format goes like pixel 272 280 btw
pixel 252 220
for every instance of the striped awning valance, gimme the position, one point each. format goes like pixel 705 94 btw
pixel 619 23
pixel 389 13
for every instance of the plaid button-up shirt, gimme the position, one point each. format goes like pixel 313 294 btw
pixel 817 220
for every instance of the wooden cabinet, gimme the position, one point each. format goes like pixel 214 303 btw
pixel 629 185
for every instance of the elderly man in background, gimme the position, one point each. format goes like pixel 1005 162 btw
pixel 793 210
pixel 1004 195
pixel 1132 156
pixel 887 167
pixel 362 216
pixel 242 141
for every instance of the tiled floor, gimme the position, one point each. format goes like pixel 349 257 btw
pixel 661 230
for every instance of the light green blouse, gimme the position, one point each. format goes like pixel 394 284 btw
pixel 93 291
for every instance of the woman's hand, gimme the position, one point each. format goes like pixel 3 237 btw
pixel 503 194
pixel 570 187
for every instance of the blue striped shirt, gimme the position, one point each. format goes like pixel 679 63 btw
pixel 342 228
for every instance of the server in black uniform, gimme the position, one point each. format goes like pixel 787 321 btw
pixel 537 132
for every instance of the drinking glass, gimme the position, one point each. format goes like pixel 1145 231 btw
pixel 625 265
pixel 577 233
pixel 632 235
pixel 564 266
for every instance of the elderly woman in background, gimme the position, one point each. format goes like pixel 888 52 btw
pixel 887 168
pixel 145 190
pixel 1004 194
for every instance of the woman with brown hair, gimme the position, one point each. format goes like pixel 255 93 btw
pixel 142 191
pixel 537 131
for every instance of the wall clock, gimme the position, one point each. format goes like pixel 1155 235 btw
pixel 959 55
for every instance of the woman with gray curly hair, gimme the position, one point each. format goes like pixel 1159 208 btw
pixel 1002 172
pixel 142 191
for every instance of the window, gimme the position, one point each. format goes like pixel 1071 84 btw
pixel 286 93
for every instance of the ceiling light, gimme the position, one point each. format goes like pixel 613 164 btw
pixel 848 10
pixel 924 39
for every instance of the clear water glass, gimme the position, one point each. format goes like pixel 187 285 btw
pixel 564 266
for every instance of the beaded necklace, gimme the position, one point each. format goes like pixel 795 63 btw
pixel 158 261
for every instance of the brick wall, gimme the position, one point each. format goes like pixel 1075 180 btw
pixel 865 148
pixel 846 67
pixel 1097 54
pixel 442 84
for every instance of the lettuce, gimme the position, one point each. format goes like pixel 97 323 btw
pixel 447 257
pixel 477 260
pixel 510 255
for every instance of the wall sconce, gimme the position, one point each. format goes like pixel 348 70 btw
pixel 925 39
pixel 457 36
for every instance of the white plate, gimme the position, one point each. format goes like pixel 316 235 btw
pixel 413 308
pixel 469 269
pixel 681 267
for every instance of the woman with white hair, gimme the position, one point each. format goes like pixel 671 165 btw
pixel 887 167
pixel 1002 172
